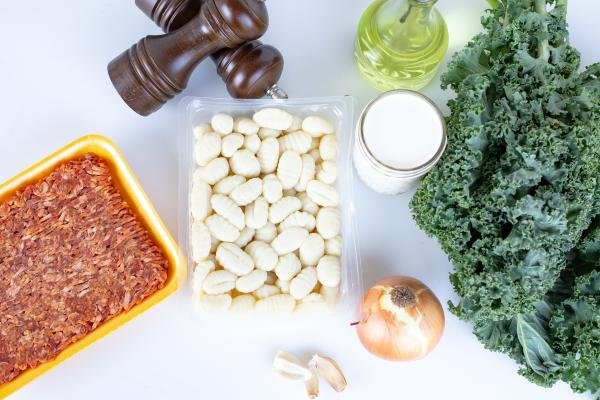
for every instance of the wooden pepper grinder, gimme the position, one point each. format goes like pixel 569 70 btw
pixel 159 67
pixel 250 71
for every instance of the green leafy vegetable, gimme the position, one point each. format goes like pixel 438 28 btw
pixel 515 201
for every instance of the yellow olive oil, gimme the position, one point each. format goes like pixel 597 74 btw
pixel 400 43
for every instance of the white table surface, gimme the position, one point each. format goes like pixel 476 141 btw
pixel 54 88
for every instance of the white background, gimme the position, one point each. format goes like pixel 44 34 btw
pixel 54 88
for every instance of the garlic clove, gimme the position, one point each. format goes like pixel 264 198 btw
pixel 290 367
pixel 312 386
pixel 329 370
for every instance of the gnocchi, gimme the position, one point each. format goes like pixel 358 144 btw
pixel 329 271
pixel 257 213
pixel 245 126
pixel 284 207
pixel 264 226
pixel 304 283
pixel 268 155
pixel 244 162
pixel 289 240
pixel 222 229
pixel 312 250
pixel 234 259
pixel 307 174
pixel 251 282
pixel 297 141
pixel 208 147
pixel 289 169
pixel 219 282
pixel 317 126
pixel 328 222
pixel 231 143
pixel 222 123
pixel 272 190
pixel 228 209
pixel 247 192
pixel 273 118
pixel 265 258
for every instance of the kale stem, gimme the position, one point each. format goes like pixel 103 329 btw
pixel 544 46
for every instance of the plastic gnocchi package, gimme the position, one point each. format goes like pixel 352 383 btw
pixel 266 206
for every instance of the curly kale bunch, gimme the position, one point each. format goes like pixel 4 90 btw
pixel 515 198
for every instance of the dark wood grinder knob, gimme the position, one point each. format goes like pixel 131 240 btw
pixel 250 71
pixel 159 67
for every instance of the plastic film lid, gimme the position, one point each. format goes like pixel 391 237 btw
pixel 403 131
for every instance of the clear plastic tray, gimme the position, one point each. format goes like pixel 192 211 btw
pixel 339 110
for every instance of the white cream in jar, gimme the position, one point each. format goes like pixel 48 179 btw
pixel 401 135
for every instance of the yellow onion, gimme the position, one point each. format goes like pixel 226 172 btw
pixel 401 319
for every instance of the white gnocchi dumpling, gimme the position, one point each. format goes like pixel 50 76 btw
pixel 307 174
pixel 287 267
pixel 273 118
pixel 329 271
pixel 222 229
pixel 312 249
pixel 263 255
pixel 323 194
pixel 219 282
pixel 300 219
pixel 234 259
pixel 245 126
pixel 247 192
pixel 252 143
pixel 317 126
pixel 289 169
pixel 328 222
pixel 289 240
pixel 283 208
pixel 201 271
pixel 298 141
pixel 246 236
pixel 267 233
pixel 257 213
pixel 231 143
pixel 243 304
pixel 228 209
pixel 200 200
pixel 251 281
pixel 244 162
pixel 201 241
pixel 227 184
pixel 333 246
pixel 214 171
pixel 272 189
pixel 266 290
pixel 276 304
pixel 208 147
pixel 222 123
pixel 304 283
pixel 268 155
pixel 264 226
pixel 327 172
pixel 212 303
pixel 328 148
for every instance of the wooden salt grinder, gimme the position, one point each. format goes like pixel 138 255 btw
pixel 250 71
pixel 159 67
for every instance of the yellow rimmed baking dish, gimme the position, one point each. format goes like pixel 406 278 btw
pixel 132 192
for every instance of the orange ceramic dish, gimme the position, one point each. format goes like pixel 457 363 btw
pixel 133 194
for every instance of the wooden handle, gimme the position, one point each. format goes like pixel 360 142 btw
pixel 249 71
pixel 159 67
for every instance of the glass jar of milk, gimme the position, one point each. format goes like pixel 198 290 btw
pixel 400 136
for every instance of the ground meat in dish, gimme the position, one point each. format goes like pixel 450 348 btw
pixel 72 256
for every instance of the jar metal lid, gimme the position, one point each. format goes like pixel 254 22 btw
pixel 387 169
